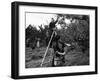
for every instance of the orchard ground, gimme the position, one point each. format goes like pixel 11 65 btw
pixel 75 57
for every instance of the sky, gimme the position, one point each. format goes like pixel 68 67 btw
pixel 37 19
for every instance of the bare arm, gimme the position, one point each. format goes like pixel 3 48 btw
pixel 61 53
pixel 56 20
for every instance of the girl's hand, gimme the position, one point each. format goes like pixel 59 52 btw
pixel 54 29
pixel 56 51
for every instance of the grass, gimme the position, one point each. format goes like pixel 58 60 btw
pixel 33 58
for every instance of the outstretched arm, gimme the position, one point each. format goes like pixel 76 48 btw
pixel 57 20
pixel 61 53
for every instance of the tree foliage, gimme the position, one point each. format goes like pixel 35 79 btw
pixel 76 31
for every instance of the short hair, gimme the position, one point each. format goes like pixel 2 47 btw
pixel 52 18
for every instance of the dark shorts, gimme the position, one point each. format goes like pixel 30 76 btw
pixel 60 60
